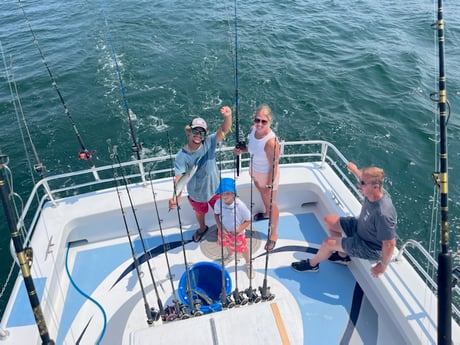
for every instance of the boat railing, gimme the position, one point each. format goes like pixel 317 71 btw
pixel 140 171
pixel 55 187
pixel 425 271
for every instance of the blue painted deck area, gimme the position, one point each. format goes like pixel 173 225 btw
pixel 325 298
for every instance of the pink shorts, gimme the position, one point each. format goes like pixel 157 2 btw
pixel 239 246
pixel 262 179
pixel 202 207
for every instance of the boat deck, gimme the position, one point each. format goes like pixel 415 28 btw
pixel 88 283
pixel 325 299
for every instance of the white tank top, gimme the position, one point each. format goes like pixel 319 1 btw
pixel 256 148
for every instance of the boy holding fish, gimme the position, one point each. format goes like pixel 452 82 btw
pixel 196 167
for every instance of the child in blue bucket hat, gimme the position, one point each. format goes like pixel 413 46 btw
pixel 232 218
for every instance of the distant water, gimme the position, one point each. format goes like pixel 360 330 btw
pixel 355 73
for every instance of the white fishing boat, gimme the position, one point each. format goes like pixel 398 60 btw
pixel 103 260
pixel 93 287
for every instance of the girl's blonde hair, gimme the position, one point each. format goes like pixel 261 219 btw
pixel 266 110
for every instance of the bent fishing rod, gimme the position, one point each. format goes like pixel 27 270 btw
pixel 84 154
pixel 152 315
pixel 24 259
pixel 444 256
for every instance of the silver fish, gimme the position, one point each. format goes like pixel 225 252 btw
pixel 182 182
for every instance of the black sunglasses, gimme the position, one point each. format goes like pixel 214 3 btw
pixel 264 122
pixel 196 131
pixel 364 183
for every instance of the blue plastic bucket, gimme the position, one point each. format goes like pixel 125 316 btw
pixel 205 279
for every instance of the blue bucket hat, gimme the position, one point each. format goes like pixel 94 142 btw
pixel 227 184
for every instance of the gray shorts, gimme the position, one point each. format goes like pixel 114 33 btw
pixel 353 245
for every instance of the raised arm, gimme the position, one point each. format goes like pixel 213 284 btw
pixel 354 170
pixel 226 123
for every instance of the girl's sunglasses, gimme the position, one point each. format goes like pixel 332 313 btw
pixel 264 122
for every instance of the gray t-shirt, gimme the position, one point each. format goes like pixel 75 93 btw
pixel 204 182
pixel 377 222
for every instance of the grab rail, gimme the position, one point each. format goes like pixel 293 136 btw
pixel 423 271
pixel 79 181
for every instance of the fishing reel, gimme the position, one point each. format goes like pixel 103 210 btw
pixel 253 297
pixel 241 142
pixel 170 313
pixel 227 302
pixel 265 294
pixel 85 155
pixel 39 168
pixel 4 159
pixel 241 145
pixel 239 298
pixel 154 316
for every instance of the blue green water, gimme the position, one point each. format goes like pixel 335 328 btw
pixel 356 73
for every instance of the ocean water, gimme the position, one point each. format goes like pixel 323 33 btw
pixel 358 74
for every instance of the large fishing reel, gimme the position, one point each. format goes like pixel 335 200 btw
pixel 241 141
pixel 265 293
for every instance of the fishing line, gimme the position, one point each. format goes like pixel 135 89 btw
pixel 170 316
pixel 152 315
pixel 239 137
pixel 38 167
pixel 187 272
pixel 139 232
pixel 136 146
pixel 265 290
pixel 84 154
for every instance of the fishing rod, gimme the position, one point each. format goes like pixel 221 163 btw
pixel 25 259
pixel 194 311
pixel 225 299
pixel 265 290
pixel 171 313
pixel 250 292
pixel 139 232
pixel 152 315
pixel 84 154
pixel 238 296
pixel 444 256
pixel 136 146
pixel 239 136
